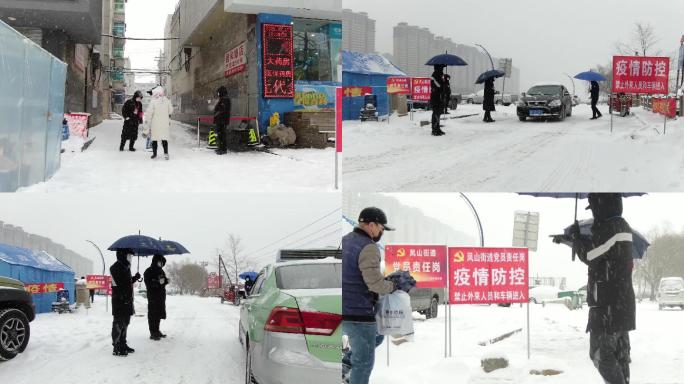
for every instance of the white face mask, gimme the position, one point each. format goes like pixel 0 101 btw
pixel 160 264
pixel 129 258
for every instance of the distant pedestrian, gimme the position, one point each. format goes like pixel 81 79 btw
pixel 133 116
pixel 222 119
pixel 122 300
pixel 594 91
pixel 488 100
pixel 447 93
pixel 82 293
pixel 159 121
pixel 92 295
pixel 155 283
pixel 249 283
pixel 437 98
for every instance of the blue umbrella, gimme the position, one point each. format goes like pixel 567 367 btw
pixel 590 76
pixel 140 244
pixel 173 248
pixel 252 275
pixel 446 59
pixel 639 242
pixel 491 74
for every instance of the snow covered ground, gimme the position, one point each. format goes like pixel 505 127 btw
pixel 577 154
pixel 102 168
pixel 558 342
pixel 202 347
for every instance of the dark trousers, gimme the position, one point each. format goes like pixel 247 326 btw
pixel 594 110
pixel 153 323
pixel 123 144
pixel 165 145
pixel 119 331
pixel 610 353
pixel 488 116
pixel 222 136
pixel 436 112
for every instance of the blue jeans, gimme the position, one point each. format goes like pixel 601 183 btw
pixel 363 339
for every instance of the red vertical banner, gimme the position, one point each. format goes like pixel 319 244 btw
pixel 488 275
pixel 420 89
pixel 425 263
pixel 339 95
pixel 278 61
pixel 641 74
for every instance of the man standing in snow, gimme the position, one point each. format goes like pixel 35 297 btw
pixel 594 91
pixel 155 283
pixel 222 119
pixel 437 98
pixel 362 282
pixel 447 93
pixel 610 295
pixel 133 117
pixel 122 300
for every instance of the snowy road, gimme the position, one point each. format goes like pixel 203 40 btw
pixel 202 347
pixel 577 154
pixel 103 168
pixel 558 342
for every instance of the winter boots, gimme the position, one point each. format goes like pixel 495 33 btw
pixel 122 351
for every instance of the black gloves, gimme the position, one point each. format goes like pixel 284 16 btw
pixel 402 280
pixel 137 276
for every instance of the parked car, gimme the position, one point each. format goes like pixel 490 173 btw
pixel 290 324
pixel 545 100
pixel 478 98
pixel 16 312
pixel 426 301
pixel 542 293
pixel 671 292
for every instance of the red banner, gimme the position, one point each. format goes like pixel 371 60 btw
pixel 213 281
pixel 338 119
pixel 641 74
pixel 98 281
pixel 420 89
pixel 665 106
pixel 357 91
pixel 278 61
pixel 37 288
pixel 488 275
pixel 398 85
pixel 426 263
pixel 235 60
pixel 78 123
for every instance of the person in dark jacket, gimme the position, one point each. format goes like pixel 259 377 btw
pixel 249 284
pixel 488 100
pixel 610 294
pixel 155 283
pixel 437 98
pixel 447 93
pixel 594 91
pixel 362 282
pixel 133 116
pixel 222 120
pixel 122 300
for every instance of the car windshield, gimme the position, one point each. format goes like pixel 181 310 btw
pixel 309 276
pixel 542 90
pixel 672 284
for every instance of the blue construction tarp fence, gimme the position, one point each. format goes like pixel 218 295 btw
pixel 32 89
pixel 366 70
pixel 36 267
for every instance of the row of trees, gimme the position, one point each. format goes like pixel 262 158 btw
pixel 664 258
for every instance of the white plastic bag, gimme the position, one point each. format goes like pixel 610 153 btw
pixel 394 316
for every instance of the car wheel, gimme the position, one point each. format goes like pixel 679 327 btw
pixel 236 302
pixel 498 102
pixel 222 300
pixel 14 333
pixel 434 308
pixel 561 115
pixel 249 378
pixel 522 118
pixel 470 101
pixel 570 112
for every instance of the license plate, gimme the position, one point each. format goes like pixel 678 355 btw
pixel 536 112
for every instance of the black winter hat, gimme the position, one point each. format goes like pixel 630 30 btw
pixel 222 91
pixel 605 205
pixel 374 215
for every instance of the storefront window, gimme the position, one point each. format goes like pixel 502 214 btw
pixel 316 49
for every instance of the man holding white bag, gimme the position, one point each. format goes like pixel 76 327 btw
pixel 362 283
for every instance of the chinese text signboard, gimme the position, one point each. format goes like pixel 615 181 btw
pixel 399 85
pixel 213 281
pixel 488 275
pixel 78 124
pixel 98 281
pixel 640 74
pixel 665 106
pixel 420 89
pixel 356 91
pixel 235 60
pixel 39 288
pixel 425 263
pixel 278 61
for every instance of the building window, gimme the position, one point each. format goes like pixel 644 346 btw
pixel 119 29
pixel 119 6
pixel 118 53
pixel 317 46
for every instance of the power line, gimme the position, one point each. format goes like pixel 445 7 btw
pixel 300 239
pixel 335 232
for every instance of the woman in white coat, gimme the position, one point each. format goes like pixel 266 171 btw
pixel 158 117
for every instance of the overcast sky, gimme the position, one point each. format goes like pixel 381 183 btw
pixel 545 38
pixel 201 222
pixel 496 212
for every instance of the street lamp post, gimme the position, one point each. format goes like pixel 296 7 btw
pixel 573 83
pixel 487 52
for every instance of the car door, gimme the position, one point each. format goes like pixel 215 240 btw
pixel 567 100
pixel 253 306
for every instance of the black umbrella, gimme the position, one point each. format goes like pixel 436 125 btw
pixel 141 245
pixel 491 74
pixel 639 242
pixel 447 59
pixel 172 248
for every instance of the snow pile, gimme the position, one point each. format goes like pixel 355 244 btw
pixel 369 64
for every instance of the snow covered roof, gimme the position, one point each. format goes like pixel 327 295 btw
pixel 368 64
pixel 26 257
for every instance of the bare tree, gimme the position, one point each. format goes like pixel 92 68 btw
pixel 189 278
pixel 236 261
pixel 642 43
pixel 665 257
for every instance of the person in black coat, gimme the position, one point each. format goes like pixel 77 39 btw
pixel 437 98
pixel 488 100
pixel 610 294
pixel 594 91
pixel 122 300
pixel 155 283
pixel 222 120
pixel 447 93
pixel 249 284
pixel 133 116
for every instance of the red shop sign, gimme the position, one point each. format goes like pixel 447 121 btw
pixel 278 61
